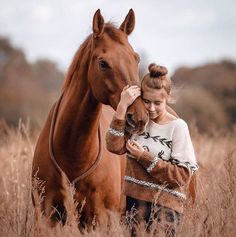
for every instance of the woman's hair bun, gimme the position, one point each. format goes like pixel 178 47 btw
pixel 157 70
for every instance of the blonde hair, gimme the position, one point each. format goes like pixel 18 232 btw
pixel 157 78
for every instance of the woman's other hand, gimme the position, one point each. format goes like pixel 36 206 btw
pixel 134 148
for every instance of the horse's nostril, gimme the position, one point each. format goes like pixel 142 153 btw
pixel 141 123
pixel 130 121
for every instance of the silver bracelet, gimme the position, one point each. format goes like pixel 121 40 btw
pixel 116 132
pixel 153 164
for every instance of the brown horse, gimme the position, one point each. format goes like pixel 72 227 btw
pixel 71 143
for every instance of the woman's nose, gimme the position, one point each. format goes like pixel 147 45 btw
pixel 151 107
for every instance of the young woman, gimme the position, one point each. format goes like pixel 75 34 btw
pixel 161 160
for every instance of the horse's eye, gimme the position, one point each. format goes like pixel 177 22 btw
pixel 103 65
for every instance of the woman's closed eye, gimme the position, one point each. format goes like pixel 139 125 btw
pixel 146 101
pixel 149 102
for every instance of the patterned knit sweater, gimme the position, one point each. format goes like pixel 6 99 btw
pixel 163 172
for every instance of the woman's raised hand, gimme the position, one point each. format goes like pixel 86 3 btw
pixel 129 94
pixel 127 97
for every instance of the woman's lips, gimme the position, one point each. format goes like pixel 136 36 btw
pixel 153 113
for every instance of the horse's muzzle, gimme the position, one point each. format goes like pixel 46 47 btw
pixel 130 121
pixel 133 126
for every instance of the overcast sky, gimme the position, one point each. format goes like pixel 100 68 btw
pixel 172 33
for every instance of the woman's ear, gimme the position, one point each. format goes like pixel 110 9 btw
pixel 168 99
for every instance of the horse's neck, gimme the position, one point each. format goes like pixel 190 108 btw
pixel 76 132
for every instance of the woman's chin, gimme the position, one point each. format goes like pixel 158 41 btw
pixel 153 116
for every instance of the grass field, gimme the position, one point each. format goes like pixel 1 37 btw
pixel 214 213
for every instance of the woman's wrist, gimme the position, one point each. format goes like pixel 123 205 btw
pixel 121 111
pixel 139 155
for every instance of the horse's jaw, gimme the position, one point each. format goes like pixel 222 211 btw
pixel 134 130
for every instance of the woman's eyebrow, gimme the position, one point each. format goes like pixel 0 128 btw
pixel 152 100
pixel 144 98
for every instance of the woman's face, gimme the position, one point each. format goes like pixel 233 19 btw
pixel 154 101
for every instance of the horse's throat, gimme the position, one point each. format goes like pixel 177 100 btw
pixel 77 126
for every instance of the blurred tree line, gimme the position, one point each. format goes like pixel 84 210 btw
pixel 205 95
pixel 27 90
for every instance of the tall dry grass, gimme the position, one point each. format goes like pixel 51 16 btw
pixel 213 214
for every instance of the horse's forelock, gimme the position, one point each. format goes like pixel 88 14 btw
pixel 113 32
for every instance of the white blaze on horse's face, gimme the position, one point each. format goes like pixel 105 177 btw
pixel 113 65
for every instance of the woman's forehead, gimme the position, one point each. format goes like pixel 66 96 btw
pixel 153 94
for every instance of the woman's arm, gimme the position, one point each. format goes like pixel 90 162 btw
pixel 165 172
pixel 178 170
pixel 116 136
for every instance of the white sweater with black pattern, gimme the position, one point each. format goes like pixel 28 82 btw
pixel 164 170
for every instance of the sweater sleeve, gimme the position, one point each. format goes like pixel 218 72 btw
pixel 116 137
pixel 176 171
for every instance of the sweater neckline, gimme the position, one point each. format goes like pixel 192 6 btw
pixel 165 123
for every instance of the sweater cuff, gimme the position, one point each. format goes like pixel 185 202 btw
pixel 117 124
pixel 148 161
pixel 117 127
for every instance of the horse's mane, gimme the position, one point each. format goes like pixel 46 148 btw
pixel 85 49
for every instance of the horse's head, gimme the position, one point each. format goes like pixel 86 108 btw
pixel 113 65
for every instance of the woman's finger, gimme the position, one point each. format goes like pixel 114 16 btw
pixel 134 91
pixel 128 146
pixel 133 88
pixel 126 87
pixel 134 96
pixel 136 143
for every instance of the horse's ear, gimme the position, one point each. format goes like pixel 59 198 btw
pixel 98 24
pixel 128 24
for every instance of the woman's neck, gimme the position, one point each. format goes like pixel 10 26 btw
pixel 164 118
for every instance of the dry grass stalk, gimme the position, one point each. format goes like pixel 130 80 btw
pixel 214 213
